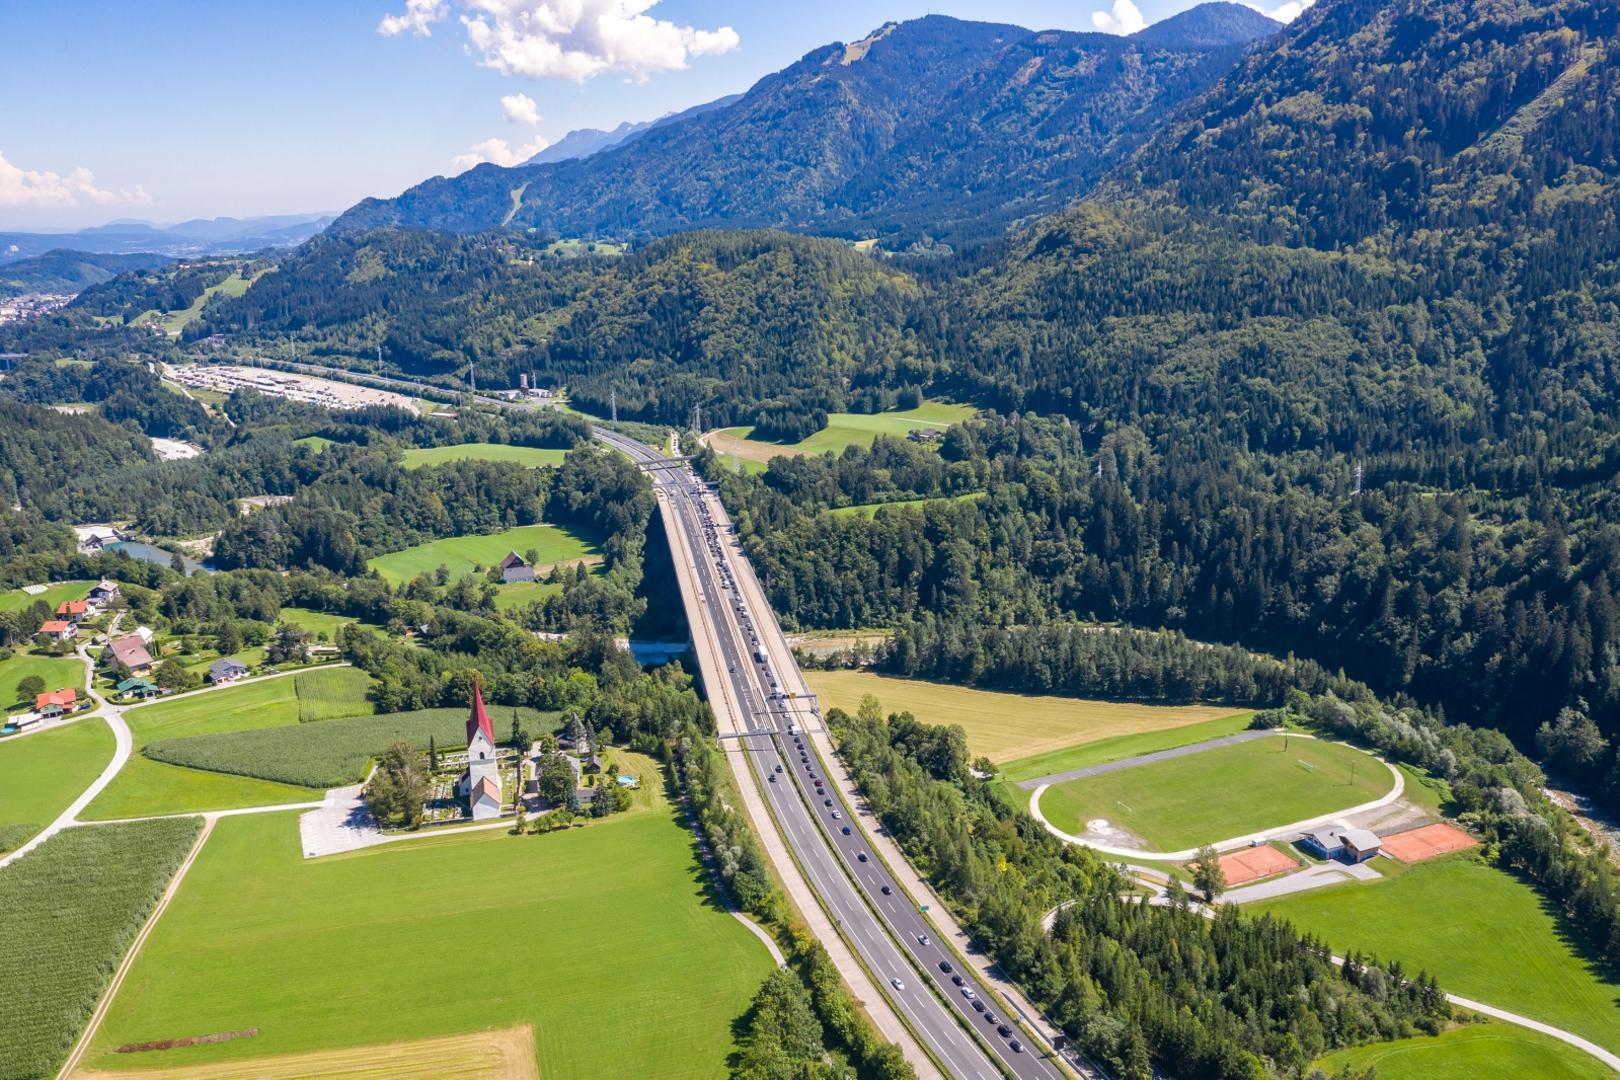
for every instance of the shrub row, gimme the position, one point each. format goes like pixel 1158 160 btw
pixel 331 753
pixel 74 905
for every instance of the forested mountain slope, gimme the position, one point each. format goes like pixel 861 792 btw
pixel 65 271
pixel 933 126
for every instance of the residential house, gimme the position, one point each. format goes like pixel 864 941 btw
pixel 145 689
pixel 58 630
pixel 480 784
pixel 73 610
pixel 515 568
pixel 226 670
pixel 130 651
pixel 54 703
pixel 145 633
pixel 104 593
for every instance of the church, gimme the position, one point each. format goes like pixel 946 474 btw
pixel 480 785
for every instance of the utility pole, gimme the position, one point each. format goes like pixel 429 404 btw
pixel 697 418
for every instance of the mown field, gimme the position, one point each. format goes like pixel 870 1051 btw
pixel 1482 932
pixel 323 624
pixel 532 456
pixel 42 773
pixel 17 600
pixel 1002 726
pixel 601 938
pixel 72 906
pixel 843 429
pixel 330 753
pixel 57 673
pixel 1221 793
pixel 1479 1050
pixel 518 593
pixel 464 554
pixel 1116 747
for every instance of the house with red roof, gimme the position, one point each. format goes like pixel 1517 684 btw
pixel 58 630
pixel 130 651
pixel 480 785
pixel 56 702
pixel 73 610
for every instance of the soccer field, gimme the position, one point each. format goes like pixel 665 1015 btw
pixel 1482 932
pixel 602 938
pixel 463 554
pixel 417 457
pixel 1004 726
pixel 1220 793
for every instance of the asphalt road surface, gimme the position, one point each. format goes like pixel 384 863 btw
pixel 894 940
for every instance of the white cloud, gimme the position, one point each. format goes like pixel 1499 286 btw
pixel 498 152
pixel 418 16
pixel 1123 18
pixel 1287 12
pixel 570 39
pixel 521 109
pixel 28 188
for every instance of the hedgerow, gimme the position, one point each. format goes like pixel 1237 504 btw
pixel 73 905
pixel 331 753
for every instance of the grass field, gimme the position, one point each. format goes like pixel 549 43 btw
pixel 314 442
pixel 56 671
pixel 463 554
pixel 322 624
pixel 17 600
pixel 600 938
pixel 843 429
pixel 518 593
pixel 176 321
pixel 1477 1050
pixel 1003 726
pixel 41 774
pixel 1115 747
pixel 417 457
pixel 1220 793
pixel 868 510
pixel 145 787
pixel 1482 932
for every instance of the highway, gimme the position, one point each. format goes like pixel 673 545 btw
pixel 940 998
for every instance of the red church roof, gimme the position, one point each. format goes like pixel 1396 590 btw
pixel 478 719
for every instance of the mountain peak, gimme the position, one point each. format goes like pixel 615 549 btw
pixel 1209 26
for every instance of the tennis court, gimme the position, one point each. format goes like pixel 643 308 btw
pixel 1251 864
pixel 1426 842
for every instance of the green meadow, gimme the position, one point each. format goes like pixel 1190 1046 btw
pixel 531 456
pixel 17 600
pixel 58 672
pixel 464 554
pixel 843 429
pixel 603 938
pixel 41 774
pixel 1493 1049
pixel 1482 932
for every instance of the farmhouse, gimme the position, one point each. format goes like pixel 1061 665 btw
pixel 514 568
pixel 56 702
pixel 226 670
pixel 58 630
pixel 480 784
pixel 130 651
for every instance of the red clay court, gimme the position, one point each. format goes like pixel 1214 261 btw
pixel 1250 864
pixel 1425 842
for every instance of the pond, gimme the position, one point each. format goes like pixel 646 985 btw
pixel 135 549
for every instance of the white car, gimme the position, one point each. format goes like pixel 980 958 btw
pixel 897 984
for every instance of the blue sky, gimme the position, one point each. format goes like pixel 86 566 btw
pixel 164 110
